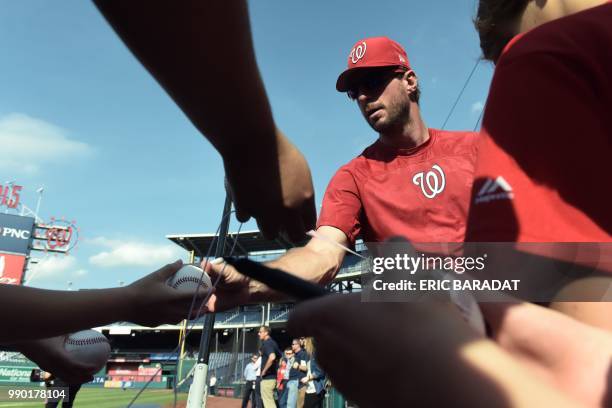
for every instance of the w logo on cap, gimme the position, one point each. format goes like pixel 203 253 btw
pixel 358 52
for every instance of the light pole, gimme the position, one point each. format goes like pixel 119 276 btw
pixel 40 191
pixel 198 390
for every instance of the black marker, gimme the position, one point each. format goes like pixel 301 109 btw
pixel 278 280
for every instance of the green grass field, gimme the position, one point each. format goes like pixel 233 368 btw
pixel 101 398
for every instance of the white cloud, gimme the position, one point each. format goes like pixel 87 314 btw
pixel 28 143
pixel 54 269
pixel 477 107
pixel 132 253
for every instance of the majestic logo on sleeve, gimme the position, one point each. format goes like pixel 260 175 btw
pixel 358 52
pixel 432 182
pixel 494 189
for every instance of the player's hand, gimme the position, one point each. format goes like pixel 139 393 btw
pixel 275 188
pixel 51 356
pixel 389 335
pixel 232 288
pixel 154 302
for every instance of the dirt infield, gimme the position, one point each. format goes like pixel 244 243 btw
pixel 213 402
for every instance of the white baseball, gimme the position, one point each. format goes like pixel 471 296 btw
pixel 89 347
pixel 189 278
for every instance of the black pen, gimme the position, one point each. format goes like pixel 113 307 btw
pixel 297 288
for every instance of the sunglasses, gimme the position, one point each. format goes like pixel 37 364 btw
pixel 372 81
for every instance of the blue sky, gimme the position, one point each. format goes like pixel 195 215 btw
pixel 81 117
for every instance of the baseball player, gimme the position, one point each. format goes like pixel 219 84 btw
pixel 413 181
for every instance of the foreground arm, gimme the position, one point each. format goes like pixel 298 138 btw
pixel 598 314
pixel 202 55
pixel 560 350
pixel 318 262
pixel 431 344
pixel 46 313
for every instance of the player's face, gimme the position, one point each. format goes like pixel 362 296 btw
pixel 382 99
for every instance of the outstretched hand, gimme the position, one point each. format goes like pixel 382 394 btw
pixel 155 302
pixel 232 289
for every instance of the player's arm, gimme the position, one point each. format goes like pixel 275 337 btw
pixel 318 262
pixel 201 52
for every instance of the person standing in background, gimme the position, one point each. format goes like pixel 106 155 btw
pixel 250 376
pixel 282 377
pixel 314 380
pixel 270 356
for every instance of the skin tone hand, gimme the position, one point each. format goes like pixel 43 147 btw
pixel 155 303
pixel 279 195
pixel 571 355
pixel 317 262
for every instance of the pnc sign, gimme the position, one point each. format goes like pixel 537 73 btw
pixel 15 233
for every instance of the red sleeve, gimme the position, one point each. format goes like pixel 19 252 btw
pixel 342 205
pixel 548 111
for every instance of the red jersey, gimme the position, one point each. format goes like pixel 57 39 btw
pixel 421 194
pixel 543 173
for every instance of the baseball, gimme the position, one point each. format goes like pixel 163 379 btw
pixel 189 278
pixel 89 347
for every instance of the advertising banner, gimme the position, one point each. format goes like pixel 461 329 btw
pixel 15 233
pixel 11 269
pixel 15 374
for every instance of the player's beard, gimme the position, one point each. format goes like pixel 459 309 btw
pixel 397 115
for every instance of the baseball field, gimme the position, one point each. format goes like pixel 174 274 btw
pixel 116 398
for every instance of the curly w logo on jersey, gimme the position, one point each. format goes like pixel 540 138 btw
pixel 432 182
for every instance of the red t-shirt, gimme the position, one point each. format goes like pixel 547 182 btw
pixel 543 170
pixel 421 194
